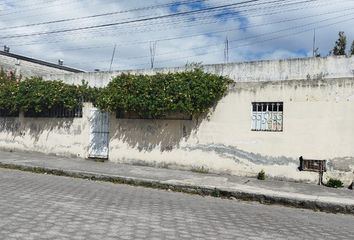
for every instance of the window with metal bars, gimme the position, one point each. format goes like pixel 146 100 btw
pixel 171 116
pixel 56 112
pixel 267 116
pixel 7 113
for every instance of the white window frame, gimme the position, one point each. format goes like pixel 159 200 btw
pixel 267 116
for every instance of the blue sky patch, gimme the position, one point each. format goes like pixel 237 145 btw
pixel 228 14
pixel 174 8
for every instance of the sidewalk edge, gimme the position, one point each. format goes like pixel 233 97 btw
pixel 203 191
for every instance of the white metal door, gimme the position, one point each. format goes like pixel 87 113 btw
pixel 99 134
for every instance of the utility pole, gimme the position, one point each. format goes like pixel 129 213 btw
pixel 152 53
pixel 114 52
pixel 226 50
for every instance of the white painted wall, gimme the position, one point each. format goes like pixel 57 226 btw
pixel 272 70
pixel 59 136
pixel 318 97
pixel 318 124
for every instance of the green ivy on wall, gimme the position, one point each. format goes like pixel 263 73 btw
pixel 152 96
pixel 37 95
pixel 8 92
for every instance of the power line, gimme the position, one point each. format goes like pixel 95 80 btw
pixel 157 40
pixel 266 40
pixel 252 26
pixel 255 37
pixel 41 7
pixel 126 31
pixel 271 13
pixel 100 15
pixel 127 22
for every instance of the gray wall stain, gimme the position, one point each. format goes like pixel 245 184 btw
pixel 341 164
pixel 237 155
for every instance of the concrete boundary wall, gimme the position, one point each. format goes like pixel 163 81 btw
pixel 57 136
pixel 272 70
pixel 317 124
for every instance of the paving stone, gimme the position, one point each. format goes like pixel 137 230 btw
pixel 34 206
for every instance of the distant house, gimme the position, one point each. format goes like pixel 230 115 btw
pixel 26 66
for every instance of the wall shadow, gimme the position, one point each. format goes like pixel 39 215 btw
pixel 149 134
pixel 36 127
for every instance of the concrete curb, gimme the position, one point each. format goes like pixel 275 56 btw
pixel 191 189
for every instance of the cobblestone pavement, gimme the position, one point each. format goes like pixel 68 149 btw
pixel 34 206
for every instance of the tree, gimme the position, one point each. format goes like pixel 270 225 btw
pixel 341 44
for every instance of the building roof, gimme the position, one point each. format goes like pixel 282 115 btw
pixel 41 62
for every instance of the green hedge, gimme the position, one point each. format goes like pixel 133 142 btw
pixel 37 95
pixel 189 92
pixel 8 93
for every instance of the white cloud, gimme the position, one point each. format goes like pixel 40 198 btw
pixel 93 48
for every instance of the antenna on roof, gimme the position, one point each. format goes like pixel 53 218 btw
pixel 314 44
pixel 226 50
pixel 152 53
pixel 114 51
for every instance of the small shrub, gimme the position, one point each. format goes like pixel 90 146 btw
pixel 200 170
pixel 215 193
pixel 334 183
pixel 261 175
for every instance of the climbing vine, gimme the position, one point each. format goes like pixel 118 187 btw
pixel 8 92
pixel 36 95
pixel 153 96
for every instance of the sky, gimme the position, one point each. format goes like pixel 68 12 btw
pixel 170 33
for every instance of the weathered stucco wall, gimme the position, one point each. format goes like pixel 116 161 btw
pixel 59 136
pixel 272 70
pixel 318 118
pixel 318 124
pixel 318 97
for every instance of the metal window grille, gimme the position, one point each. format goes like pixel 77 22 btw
pixel 7 113
pixel 55 112
pixel 267 116
pixel 171 116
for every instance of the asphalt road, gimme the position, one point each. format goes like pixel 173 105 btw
pixel 34 206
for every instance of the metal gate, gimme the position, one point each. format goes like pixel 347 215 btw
pixel 99 134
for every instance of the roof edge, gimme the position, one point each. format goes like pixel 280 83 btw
pixel 41 62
